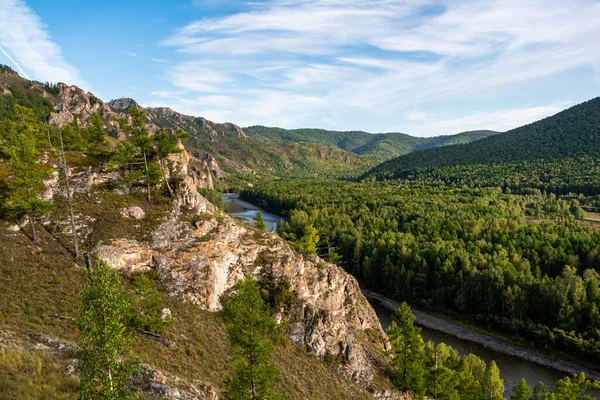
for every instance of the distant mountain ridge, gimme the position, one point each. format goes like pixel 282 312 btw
pixel 380 146
pixel 560 153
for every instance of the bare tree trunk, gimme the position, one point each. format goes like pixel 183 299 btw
pixel 69 200
pixel 147 175
pixel 162 169
pixel 33 235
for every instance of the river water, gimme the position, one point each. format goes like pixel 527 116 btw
pixel 512 369
pixel 241 208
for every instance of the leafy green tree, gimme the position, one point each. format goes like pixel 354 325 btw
pixel 408 349
pixel 522 391
pixel 105 364
pixel 19 145
pixel 252 332
pixel 258 221
pixel 493 384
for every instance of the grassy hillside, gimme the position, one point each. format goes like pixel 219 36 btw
pixel 41 284
pixel 381 146
pixel 558 153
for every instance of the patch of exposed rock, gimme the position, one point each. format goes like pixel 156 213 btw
pixel 134 212
pixel 156 384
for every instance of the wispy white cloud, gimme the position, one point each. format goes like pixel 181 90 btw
pixel 130 53
pixel 24 39
pixel 372 64
pixel 501 120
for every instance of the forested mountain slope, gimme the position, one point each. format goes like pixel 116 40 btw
pixel 562 150
pixel 226 145
pixel 381 146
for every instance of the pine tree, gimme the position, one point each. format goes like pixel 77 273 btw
pixel 540 391
pixel 493 384
pixel 521 391
pixel 408 349
pixel 137 150
pixel 252 331
pixel 65 169
pixel 105 365
pixel 20 146
pixel 258 221
pixel 96 131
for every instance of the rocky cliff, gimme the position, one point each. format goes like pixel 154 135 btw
pixel 200 253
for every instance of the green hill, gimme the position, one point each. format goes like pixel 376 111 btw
pixel 381 146
pixel 559 153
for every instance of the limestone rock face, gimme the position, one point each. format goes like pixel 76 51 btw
pixel 125 254
pixel 200 261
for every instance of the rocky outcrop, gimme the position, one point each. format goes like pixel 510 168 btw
pixel 125 254
pixel 212 164
pixel 73 102
pixel 123 104
pixel 232 127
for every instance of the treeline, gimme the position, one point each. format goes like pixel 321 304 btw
pixel 564 176
pixel 518 264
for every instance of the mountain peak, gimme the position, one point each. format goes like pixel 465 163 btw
pixel 123 104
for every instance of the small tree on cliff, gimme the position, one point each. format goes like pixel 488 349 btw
pixel 408 349
pixel 137 151
pixel 19 145
pixel 168 143
pixel 252 331
pixel 105 365
pixel 258 221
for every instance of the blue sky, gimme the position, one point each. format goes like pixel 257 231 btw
pixel 419 67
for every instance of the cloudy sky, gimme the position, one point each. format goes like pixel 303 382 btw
pixel 419 67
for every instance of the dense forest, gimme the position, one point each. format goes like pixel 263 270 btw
pixel 381 146
pixel 568 136
pixel 523 265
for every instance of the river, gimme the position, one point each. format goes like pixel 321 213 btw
pixel 512 368
pixel 241 208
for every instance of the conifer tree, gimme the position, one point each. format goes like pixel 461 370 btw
pixel 493 384
pixel 258 221
pixel 521 391
pixel 408 349
pixel 105 364
pixel 20 146
pixel 252 331
pixel 540 391
pixel 96 131
pixel 137 150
